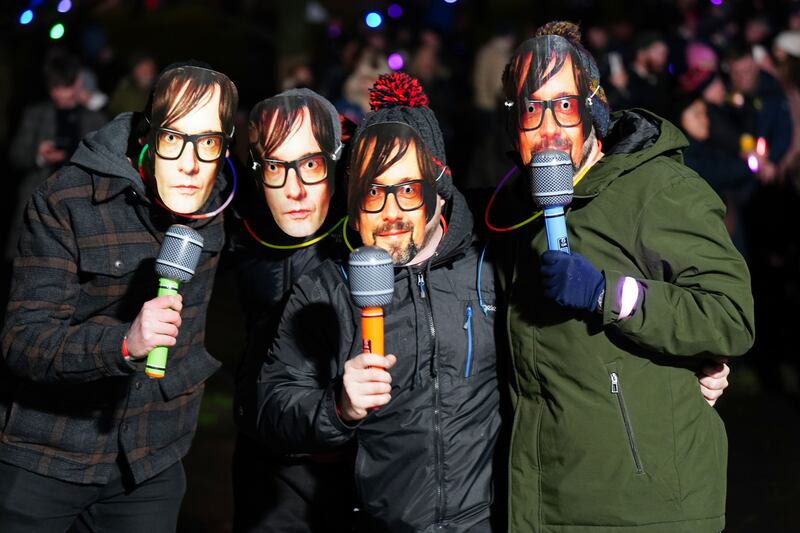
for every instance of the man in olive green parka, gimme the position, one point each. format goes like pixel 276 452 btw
pixel 609 434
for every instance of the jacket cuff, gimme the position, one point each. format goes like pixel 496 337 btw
pixel 332 413
pixel 110 359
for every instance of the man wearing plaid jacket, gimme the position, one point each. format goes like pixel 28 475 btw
pixel 86 439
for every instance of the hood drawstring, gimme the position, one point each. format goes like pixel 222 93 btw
pixel 415 378
pixel 435 353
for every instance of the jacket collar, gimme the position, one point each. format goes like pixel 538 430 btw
pixel 635 137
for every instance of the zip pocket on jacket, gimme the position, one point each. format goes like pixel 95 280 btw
pixel 468 328
pixel 617 391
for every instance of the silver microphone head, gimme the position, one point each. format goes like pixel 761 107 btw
pixel 551 178
pixel 179 254
pixel 371 277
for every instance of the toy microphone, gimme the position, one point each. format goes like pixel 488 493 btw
pixel 371 288
pixel 176 263
pixel 551 187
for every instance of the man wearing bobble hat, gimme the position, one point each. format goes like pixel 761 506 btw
pixel 609 433
pixel 425 433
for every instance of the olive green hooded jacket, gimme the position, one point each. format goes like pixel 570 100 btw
pixel 610 430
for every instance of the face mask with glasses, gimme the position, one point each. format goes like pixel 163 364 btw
pixel 566 112
pixel 310 169
pixel 409 195
pixel 208 147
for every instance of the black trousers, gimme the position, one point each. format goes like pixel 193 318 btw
pixel 30 503
pixel 275 494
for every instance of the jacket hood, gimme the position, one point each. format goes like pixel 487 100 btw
pixel 104 152
pixel 635 137
pixel 459 227
pixel 104 155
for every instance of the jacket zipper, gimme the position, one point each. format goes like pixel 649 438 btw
pixel 616 390
pixel 468 327
pixel 437 427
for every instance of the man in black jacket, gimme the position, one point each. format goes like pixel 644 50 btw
pixel 424 420
pixel 290 220
pixel 85 437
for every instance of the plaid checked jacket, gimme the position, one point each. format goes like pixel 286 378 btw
pixel 70 404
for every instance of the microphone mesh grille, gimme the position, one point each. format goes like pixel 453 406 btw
pixel 179 254
pixel 371 277
pixel 551 178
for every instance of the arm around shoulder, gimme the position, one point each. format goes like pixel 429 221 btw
pixel 300 376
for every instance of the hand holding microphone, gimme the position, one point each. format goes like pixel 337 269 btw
pixel 568 278
pixel 366 383
pixel 571 280
pixel 156 326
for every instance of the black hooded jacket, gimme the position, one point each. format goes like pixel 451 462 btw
pixel 424 461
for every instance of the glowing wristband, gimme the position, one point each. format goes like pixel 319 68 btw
pixel 628 297
pixel 124 348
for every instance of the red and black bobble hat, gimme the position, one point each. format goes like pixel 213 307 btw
pixel 399 98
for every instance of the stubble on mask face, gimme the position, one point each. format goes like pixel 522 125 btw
pixel 400 253
pixel 559 143
pixel 563 144
pixel 586 151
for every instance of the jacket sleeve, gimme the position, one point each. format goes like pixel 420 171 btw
pixel 300 376
pixel 41 340
pixel 694 298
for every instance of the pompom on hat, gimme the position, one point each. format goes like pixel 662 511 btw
pixel 399 98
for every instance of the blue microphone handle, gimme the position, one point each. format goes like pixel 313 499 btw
pixel 556 226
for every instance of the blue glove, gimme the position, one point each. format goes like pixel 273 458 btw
pixel 571 280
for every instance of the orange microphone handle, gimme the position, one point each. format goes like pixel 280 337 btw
pixel 372 329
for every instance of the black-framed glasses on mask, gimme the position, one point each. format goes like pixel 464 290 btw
pixel 208 147
pixel 410 195
pixel 566 110
pixel 311 169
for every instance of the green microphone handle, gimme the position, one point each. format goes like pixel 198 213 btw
pixel 156 364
